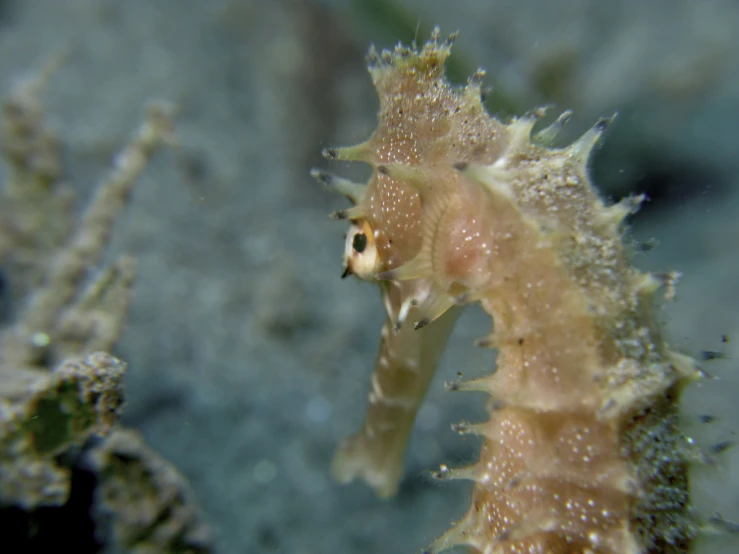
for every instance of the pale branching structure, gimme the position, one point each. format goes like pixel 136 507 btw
pixel 60 394
pixel 66 313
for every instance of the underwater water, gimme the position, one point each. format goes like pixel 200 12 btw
pixel 249 359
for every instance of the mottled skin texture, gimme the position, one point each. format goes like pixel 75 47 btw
pixel 582 453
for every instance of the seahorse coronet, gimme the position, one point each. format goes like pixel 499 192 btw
pixel 582 452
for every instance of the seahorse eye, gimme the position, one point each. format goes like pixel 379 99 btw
pixel 359 242
pixel 360 253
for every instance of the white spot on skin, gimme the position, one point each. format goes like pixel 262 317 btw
pixel 376 387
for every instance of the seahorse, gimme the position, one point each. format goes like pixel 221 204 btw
pixel 582 453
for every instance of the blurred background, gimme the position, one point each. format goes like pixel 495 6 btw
pixel 249 357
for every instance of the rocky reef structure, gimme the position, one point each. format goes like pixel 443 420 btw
pixel 583 452
pixel 47 413
pixel 60 394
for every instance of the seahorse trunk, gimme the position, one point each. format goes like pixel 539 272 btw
pixel 582 453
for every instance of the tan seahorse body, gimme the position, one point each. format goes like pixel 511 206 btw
pixel 582 452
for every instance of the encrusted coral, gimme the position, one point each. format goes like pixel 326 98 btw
pixel 43 414
pixel 582 452
pixel 58 391
pixel 149 504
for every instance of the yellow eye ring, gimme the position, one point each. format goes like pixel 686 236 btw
pixel 360 251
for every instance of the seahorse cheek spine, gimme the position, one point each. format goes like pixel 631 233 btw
pixel 582 452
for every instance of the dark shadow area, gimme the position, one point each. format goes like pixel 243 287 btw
pixel 69 527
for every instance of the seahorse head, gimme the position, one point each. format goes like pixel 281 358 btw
pixel 361 256
pixel 425 128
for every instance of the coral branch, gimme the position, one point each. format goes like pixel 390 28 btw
pixel 148 502
pixel 39 326
pixel 58 424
